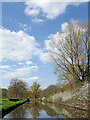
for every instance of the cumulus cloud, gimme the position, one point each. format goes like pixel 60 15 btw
pixel 15 65
pixel 20 63
pixel 46 0
pixel 29 62
pixel 29 79
pixel 16 46
pixel 25 27
pixel 13 0
pixel 64 26
pixel 19 46
pixel 19 72
pixel 44 57
pixel 37 20
pixel 49 8
pixel 5 67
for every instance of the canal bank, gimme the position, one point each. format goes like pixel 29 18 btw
pixel 37 109
pixel 8 107
pixel 76 99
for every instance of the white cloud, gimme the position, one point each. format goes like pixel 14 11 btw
pixel 29 79
pixel 33 12
pixel 63 26
pixel 22 25
pixel 46 0
pixel 20 63
pixel 16 46
pixel 22 72
pixel 25 27
pixel 34 68
pixel 49 8
pixel 44 57
pixel 5 67
pixel 37 20
pixel 29 62
pixel 15 65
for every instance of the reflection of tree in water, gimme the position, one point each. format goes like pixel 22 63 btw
pixel 49 110
pixel 69 112
pixel 19 112
pixel 34 108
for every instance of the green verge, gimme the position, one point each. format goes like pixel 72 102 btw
pixel 8 106
pixel 0 104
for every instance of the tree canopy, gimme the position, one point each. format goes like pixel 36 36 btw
pixel 17 89
pixel 69 50
pixel 35 90
pixel 4 93
pixel 50 90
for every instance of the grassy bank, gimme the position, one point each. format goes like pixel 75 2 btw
pixel 8 106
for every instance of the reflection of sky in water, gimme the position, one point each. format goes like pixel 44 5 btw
pixel 27 114
pixel 39 110
pixel 44 114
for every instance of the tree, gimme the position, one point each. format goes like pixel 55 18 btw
pixel 69 50
pixel 50 90
pixel 35 90
pixel 4 93
pixel 17 89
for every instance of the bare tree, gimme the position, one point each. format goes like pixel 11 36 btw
pixel 70 53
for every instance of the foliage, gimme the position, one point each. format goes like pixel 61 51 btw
pixel 70 53
pixel 35 90
pixel 4 93
pixel 17 89
pixel 68 87
pixel 50 90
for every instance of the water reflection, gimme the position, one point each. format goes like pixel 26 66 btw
pixel 45 110
pixel 68 111
pixel 35 108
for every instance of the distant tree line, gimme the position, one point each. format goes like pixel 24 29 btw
pixel 50 90
pixel 4 93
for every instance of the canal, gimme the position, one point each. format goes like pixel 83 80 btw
pixel 45 110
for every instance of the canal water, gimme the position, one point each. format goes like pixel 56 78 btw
pixel 45 110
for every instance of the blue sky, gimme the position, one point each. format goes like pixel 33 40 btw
pixel 25 27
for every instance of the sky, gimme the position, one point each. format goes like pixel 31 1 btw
pixel 24 33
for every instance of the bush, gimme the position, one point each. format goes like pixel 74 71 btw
pixel 15 99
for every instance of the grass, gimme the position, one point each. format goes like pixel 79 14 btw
pixel 7 104
pixel 0 101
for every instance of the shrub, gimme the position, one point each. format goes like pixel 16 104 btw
pixel 14 99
